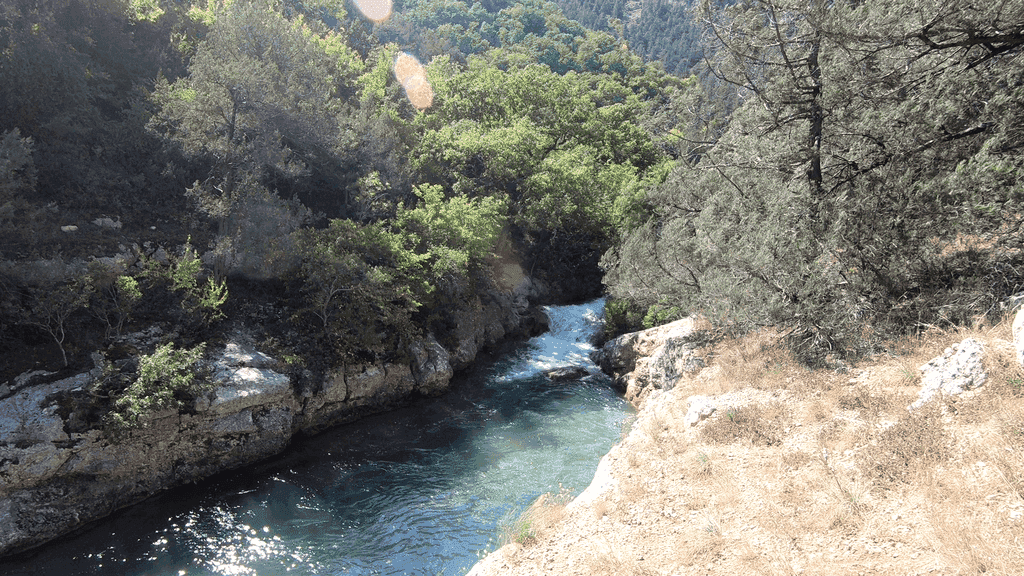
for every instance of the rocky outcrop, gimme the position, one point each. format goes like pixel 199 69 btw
pixel 957 370
pixel 56 475
pixel 1018 335
pixel 699 408
pixel 566 373
pixel 653 359
pixel 54 480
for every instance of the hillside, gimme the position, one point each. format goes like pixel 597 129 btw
pixel 167 162
pixel 658 30
pixel 342 181
pixel 800 472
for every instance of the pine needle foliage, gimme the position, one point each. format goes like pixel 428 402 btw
pixel 868 184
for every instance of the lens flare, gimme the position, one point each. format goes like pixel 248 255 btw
pixel 413 77
pixel 376 10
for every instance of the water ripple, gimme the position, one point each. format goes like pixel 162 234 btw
pixel 423 490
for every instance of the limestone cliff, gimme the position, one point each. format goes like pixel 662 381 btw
pixel 55 476
pixel 653 359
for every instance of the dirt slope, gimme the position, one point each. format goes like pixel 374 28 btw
pixel 800 472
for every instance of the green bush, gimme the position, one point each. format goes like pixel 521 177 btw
pixel 362 282
pixel 622 316
pixel 450 233
pixel 658 314
pixel 361 285
pixel 202 300
pixel 166 379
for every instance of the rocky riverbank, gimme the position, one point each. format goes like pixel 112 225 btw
pixel 56 475
pixel 742 461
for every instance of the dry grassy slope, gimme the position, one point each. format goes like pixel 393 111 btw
pixel 811 473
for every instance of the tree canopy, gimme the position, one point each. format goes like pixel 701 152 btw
pixel 856 183
pixel 829 167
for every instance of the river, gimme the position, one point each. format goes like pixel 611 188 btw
pixel 427 489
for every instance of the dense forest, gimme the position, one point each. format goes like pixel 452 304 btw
pixel 188 165
pixel 657 30
pixel 848 170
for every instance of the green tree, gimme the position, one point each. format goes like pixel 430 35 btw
pixel 199 301
pixel 571 152
pixel 264 95
pixel 847 186
pixel 562 147
pixel 114 295
pixel 450 234
pixel 361 284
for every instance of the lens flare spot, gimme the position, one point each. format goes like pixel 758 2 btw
pixel 413 77
pixel 420 93
pixel 376 10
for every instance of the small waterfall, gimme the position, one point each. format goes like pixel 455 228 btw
pixel 567 341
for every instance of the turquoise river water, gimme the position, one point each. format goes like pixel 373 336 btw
pixel 426 489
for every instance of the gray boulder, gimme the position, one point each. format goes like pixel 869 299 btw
pixel 653 359
pixel 957 370
pixel 1018 335
pixel 566 373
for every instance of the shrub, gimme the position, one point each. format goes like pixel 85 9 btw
pixel 622 316
pixel 451 233
pixel 658 314
pixel 166 379
pixel 361 284
pixel 203 300
pixel 537 520
pixel 255 234
pixel 115 295
pixel 52 306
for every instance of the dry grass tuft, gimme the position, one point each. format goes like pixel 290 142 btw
pixel 868 404
pixel 822 409
pixel 971 544
pixel 762 360
pixel 609 563
pixel 899 453
pixel 537 520
pixel 759 424
pixel 796 460
pixel 603 508
pixel 757 360
pixel 1011 429
pixel 701 546
pixel 1005 374
pixel 702 465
